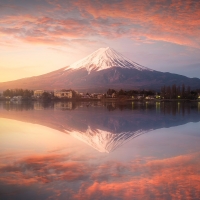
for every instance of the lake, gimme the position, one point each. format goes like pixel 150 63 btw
pixel 94 150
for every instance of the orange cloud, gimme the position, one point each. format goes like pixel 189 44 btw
pixel 160 20
pixel 45 30
pixel 174 178
pixel 171 178
pixel 176 21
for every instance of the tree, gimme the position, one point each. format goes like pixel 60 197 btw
pixel 46 96
pixel 183 91
pixel 121 92
pixel 18 92
pixel 163 92
pixel 188 91
pixel 110 91
pixel 194 95
pixel 169 93
pixel 174 92
pixel 75 95
pixel 178 91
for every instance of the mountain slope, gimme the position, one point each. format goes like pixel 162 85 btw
pixel 103 69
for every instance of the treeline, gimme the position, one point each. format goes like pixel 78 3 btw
pixel 17 92
pixel 166 92
pixel 130 92
pixel 178 92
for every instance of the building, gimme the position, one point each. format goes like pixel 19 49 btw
pixel 140 96
pixel 113 95
pixel 63 93
pixel 96 95
pixel 38 93
pixel 150 97
pixel 86 96
pixel 16 98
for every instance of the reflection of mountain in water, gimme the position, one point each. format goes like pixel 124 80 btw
pixel 104 141
pixel 108 126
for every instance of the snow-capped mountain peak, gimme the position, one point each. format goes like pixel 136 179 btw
pixel 105 58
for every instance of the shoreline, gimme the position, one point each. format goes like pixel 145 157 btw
pixel 150 100
pixel 104 100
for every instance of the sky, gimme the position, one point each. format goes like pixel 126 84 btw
pixel 39 36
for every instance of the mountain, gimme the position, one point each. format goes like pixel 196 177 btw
pixel 103 69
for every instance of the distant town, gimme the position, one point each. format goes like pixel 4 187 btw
pixel 166 93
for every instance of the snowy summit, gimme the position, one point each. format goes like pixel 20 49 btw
pixel 105 58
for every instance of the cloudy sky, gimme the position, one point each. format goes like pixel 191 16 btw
pixel 39 36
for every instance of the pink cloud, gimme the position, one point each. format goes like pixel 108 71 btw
pixel 177 22
pixel 175 178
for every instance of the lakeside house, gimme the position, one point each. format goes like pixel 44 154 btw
pixel 150 97
pixel 113 95
pixel 63 93
pixel 140 97
pixel 85 96
pixel 38 93
pixel 16 98
pixel 96 95
pixel 91 96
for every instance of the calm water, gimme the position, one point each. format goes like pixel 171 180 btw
pixel 100 151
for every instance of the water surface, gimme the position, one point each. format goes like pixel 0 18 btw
pixel 100 151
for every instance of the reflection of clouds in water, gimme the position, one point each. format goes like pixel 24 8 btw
pixel 147 178
pixel 44 168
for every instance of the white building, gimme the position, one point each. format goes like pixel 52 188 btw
pixel 63 93
pixel 97 95
pixel 16 98
pixel 38 93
